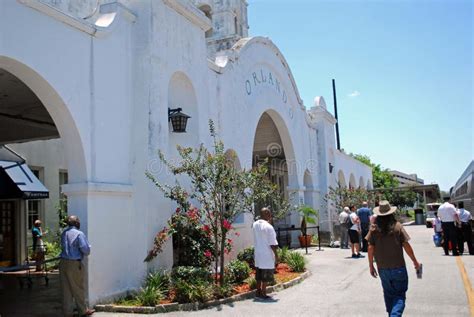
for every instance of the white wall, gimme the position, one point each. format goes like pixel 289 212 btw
pixel 108 91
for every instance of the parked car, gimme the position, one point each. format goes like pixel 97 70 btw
pixel 430 217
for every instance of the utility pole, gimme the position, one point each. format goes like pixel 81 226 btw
pixel 335 114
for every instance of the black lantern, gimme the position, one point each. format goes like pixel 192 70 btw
pixel 331 167
pixel 178 120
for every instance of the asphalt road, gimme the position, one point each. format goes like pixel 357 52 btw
pixel 342 286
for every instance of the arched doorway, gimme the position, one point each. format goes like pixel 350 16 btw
pixel 341 180
pixel 36 123
pixel 352 182
pixel 309 189
pixel 272 143
pixel 361 183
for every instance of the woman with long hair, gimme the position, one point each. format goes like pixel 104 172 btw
pixel 387 240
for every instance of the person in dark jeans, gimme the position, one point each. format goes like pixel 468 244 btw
pixel 364 214
pixel 465 230
pixel 387 240
pixel 447 214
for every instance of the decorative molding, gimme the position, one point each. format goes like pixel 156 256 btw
pixel 91 188
pixel 111 8
pixel 190 12
pixel 60 15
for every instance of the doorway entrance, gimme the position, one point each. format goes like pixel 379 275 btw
pixel 7 233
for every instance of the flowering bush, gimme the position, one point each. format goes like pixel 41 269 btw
pixel 191 239
pixel 223 192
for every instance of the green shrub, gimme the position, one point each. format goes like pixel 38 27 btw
pixel 283 254
pixel 247 255
pixel 252 282
pixel 237 271
pixel 53 249
pixel 149 296
pixel 190 292
pixel 223 291
pixel 296 261
pixel 190 274
pixel 159 280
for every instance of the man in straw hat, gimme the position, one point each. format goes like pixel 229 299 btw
pixel 387 238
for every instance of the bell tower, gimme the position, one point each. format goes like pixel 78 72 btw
pixel 229 23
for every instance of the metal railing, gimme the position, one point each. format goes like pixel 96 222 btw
pixel 280 230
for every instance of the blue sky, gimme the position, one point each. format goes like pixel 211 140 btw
pixel 403 70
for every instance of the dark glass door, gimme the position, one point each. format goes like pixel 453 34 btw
pixel 7 233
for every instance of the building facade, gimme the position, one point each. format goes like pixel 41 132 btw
pixel 407 179
pixel 102 75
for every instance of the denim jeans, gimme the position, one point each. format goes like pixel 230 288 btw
pixel 395 286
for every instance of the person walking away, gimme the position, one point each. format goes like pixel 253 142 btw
pixel 438 230
pixel 466 229
pixel 265 255
pixel 344 222
pixel 387 240
pixel 364 214
pixel 38 244
pixel 447 214
pixel 354 233
pixel 74 247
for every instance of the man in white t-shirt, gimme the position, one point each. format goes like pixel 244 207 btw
pixel 447 214
pixel 265 255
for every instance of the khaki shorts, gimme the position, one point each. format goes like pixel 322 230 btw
pixel 264 275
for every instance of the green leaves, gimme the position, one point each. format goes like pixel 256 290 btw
pixel 220 189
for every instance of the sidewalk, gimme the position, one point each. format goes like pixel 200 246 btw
pixel 342 286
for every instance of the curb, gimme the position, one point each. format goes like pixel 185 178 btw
pixel 166 308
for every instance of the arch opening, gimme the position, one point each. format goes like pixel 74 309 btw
pixel 37 126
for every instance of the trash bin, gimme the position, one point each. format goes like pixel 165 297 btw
pixel 419 217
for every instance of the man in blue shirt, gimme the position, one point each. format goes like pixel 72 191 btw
pixel 74 247
pixel 364 214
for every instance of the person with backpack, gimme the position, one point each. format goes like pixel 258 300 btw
pixel 344 222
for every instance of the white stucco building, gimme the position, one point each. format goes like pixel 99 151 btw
pixel 102 75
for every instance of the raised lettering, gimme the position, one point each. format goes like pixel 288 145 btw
pixel 277 85
pixel 255 79
pixel 284 97
pixel 248 87
pixel 270 78
pixel 264 79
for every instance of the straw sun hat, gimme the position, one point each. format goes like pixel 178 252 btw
pixel 384 209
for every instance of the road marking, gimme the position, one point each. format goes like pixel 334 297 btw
pixel 467 284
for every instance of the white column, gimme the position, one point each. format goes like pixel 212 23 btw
pixel 111 226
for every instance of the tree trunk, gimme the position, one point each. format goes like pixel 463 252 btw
pixel 221 281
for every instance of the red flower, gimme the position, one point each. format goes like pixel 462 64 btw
pixel 229 241
pixel 178 210
pixel 237 234
pixel 226 251
pixel 206 228
pixel 226 224
pixel 207 254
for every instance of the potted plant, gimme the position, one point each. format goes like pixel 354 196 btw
pixel 309 215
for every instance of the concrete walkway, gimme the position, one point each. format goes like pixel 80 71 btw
pixel 342 286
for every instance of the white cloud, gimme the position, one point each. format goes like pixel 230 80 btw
pixel 354 94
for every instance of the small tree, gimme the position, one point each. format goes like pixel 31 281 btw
pixel 341 197
pixel 222 191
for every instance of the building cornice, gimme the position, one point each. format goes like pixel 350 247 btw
pixel 109 11
pixel 190 12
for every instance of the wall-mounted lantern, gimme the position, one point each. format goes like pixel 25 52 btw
pixel 331 167
pixel 178 120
